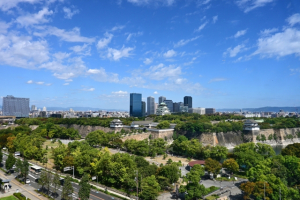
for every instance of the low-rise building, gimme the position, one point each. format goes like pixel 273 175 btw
pixel 116 123
pixel 251 125
pixel 163 109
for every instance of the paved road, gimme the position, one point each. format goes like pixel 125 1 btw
pixel 94 195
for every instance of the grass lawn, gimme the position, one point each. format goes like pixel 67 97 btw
pixel 9 198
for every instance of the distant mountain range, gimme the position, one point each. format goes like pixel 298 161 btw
pixel 262 109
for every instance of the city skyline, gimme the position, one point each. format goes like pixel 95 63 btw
pixel 64 53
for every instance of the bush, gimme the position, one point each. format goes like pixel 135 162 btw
pixel 20 196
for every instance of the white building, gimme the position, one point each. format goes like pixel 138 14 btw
pixel 200 111
pixel 116 123
pixel 44 108
pixel 163 109
pixel 251 125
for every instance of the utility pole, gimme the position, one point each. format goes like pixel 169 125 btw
pixel 279 193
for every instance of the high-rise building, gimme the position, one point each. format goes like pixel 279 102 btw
pixel 169 104
pixel 135 106
pixel 151 106
pixel 44 108
pixel 210 111
pixel 14 106
pixel 143 108
pixel 33 107
pixel 176 106
pixel 200 111
pixel 187 101
pixel 161 99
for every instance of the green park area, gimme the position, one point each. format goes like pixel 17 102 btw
pixel 8 198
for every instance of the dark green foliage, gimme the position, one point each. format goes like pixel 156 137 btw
pixel 280 122
pixel 171 172
pixel 1 156
pixel 18 195
pixel 292 150
pixel 85 188
pixel 163 125
pixel 11 160
pixel 55 183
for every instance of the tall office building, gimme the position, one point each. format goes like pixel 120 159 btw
pixel 33 107
pixel 151 106
pixel 187 101
pixel 135 107
pixel 169 105
pixel 161 99
pixel 14 106
pixel 176 106
pixel 210 111
pixel 143 108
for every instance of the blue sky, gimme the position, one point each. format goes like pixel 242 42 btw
pixel 225 54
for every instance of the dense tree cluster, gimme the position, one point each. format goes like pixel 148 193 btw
pixel 92 121
pixel 193 148
pixel 280 122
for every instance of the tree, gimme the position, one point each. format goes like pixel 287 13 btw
pixel 55 183
pixel 150 188
pixel 247 188
pixel 231 165
pixel 171 172
pixel 199 169
pixel 43 179
pixel 67 189
pixel 10 161
pixel 93 138
pixel 163 125
pixel 292 150
pixel 85 188
pixel 218 152
pixel 25 168
pixel 48 181
pixel 212 166
pixel 169 161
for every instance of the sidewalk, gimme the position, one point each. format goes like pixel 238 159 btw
pixel 26 190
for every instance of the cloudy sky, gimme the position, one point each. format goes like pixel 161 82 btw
pixel 225 54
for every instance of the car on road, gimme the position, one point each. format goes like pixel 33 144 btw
pixel 27 180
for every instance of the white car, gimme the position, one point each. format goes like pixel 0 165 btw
pixel 27 180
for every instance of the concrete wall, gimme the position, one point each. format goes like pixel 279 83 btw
pixel 155 133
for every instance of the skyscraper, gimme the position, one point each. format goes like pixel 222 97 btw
pixel 33 107
pixel 176 106
pixel 143 108
pixel 135 107
pixel 187 101
pixel 14 106
pixel 169 105
pixel 150 105
pixel 161 99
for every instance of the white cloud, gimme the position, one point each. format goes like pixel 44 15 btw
pixel 160 71
pixel 120 93
pixel 248 5
pixel 66 84
pixel 61 55
pixel 102 76
pixel 83 49
pixel 88 89
pixel 8 4
pixel 148 61
pixel 33 19
pixel 294 19
pixel 69 80
pixel 279 44
pixel 217 80
pixel 184 42
pixel 215 19
pixel 155 92
pixel 156 2
pixel 68 36
pixel 102 43
pixel 233 52
pixel 170 53
pixel 133 34
pixel 295 71
pixel 29 82
pixel 240 33
pixel 48 84
pixel 69 13
pixel 3 27
pixel 115 28
pixel 201 26
pixel 40 83
pixel 22 51
pixel 267 32
pixel 204 2
pixel 115 54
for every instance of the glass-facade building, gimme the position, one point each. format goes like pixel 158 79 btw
pixel 135 107
pixel 143 108
pixel 14 106
pixel 187 101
